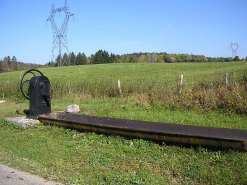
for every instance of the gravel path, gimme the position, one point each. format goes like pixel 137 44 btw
pixel 10 176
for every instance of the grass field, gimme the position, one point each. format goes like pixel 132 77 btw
pixel 86 158
pixel 72 157
pixel 193 72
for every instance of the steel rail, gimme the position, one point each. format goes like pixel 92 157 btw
pixel 212 137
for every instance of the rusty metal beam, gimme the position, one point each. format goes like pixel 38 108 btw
pixel 163 132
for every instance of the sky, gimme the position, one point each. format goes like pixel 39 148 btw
pixel 199 27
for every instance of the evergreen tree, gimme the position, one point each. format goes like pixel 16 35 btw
pixel 84 59
pixel 97 57
pixel 229 59
pixel 49 64
pixel 9 63
pixel 57 62
pixel 106 57
pixel 14 64
pixel 1 66
pixel 90 59
pixel 100 57
pixel 65 59
pixel 5 65
pixel 79 59
pixel 72 57
pixel 113 58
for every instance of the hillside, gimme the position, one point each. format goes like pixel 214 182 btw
pixel 125 71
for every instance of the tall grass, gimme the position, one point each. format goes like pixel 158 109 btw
pixel 203 95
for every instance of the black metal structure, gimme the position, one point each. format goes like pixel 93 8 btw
pixel 162 132
pixel 38 93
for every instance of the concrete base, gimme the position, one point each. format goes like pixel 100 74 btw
pixel 23 121
pixel 11 176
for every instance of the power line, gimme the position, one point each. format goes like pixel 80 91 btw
pixel 116 34
pixel 105 31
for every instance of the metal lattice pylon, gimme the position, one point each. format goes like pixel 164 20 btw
pixel 59 35
pixel 234 47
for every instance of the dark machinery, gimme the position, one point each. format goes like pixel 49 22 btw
pixel 38 93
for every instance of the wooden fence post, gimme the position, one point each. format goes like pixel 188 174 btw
pixel 227 79
pixel 119 88
pixel 181 83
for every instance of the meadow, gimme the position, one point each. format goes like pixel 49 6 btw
pixel 193 72
pixel 150 92
pixel 204 84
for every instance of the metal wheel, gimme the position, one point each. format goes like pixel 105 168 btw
pixel 22 78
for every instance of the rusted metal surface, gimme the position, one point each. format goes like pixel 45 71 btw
pixel 162 132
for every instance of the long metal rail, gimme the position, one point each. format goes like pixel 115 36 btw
pixel 163 132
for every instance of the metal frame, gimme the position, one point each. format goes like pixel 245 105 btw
pixel 59 35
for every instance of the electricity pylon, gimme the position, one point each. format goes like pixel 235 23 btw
pixel 59 35
pixel 234 47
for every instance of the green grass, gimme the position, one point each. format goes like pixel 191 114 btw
pixel 73 157
pixel 193 72
pixel 204 84
pixel 129 108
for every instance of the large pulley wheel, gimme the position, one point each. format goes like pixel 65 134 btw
pixel 22 78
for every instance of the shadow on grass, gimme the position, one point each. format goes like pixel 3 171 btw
pixel 25 112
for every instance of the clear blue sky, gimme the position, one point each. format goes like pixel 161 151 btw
pixel 200 27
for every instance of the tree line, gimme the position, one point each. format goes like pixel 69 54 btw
pixel 11 64
pixel 100 57
pixel 103 57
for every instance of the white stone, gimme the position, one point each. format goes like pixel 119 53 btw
pixel 23 121
pixel 72 109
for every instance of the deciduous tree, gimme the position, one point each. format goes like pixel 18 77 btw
pixel 236 58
